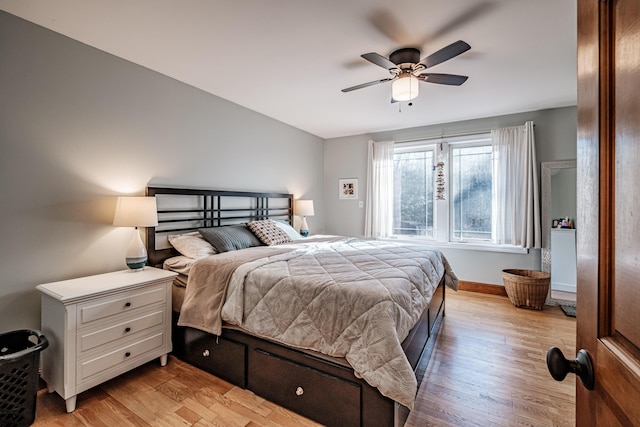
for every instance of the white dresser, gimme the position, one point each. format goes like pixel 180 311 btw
pixel 101 326
pixel 564 273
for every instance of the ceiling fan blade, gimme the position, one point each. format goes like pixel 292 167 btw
pixel 473 13
pixel 379 60
pixel 375 82
pixel 443 79
pixel 446 53
pixel 384 21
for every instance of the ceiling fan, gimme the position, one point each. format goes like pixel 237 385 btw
pixel 407 70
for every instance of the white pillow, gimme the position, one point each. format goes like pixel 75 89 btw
pixel 191 245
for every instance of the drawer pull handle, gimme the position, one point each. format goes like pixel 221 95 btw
pixel 127 354
pixel 127 329
pixel 299 391
pixel 205 353
pixel 128 304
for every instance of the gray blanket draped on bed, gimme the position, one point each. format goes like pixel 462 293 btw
pixel 342 297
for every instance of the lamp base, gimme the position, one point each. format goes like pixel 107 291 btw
pixel 304 228
pixel 136 256
pixel 136 264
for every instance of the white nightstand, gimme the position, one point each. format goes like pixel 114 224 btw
pixel 101 326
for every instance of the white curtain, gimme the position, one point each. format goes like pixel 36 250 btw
pixel 379 210
pixel 517 211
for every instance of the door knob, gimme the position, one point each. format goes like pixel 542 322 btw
pixel 559 366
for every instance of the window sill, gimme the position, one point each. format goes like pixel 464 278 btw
pixel 460 245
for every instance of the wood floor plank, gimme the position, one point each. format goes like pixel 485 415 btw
pixel 206 414
pixel 488 369
pixel 189 415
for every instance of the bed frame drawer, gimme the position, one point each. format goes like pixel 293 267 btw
pixel 305 390
pixel 217 355
pixel 436 304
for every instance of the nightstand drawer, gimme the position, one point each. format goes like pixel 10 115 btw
pixel 120 356
pixel 90 339
pixel 122 303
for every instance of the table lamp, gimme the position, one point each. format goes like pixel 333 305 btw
pixel 136 212
pixel 304 208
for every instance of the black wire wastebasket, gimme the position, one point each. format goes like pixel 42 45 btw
pixel 19 363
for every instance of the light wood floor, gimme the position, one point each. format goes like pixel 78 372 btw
pixel 488 369
pixel 489 366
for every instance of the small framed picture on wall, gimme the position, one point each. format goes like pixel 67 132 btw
pixel 348 188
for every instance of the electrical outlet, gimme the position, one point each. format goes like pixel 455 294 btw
pixel 361 204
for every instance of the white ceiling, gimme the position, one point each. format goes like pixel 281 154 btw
pixel 288 59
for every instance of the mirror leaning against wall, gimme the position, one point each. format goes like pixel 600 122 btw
pixel 558 256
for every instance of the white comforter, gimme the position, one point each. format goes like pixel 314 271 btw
pixel 345 298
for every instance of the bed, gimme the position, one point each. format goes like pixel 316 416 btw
pixel 355 368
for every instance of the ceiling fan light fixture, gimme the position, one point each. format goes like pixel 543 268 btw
pixel 405 88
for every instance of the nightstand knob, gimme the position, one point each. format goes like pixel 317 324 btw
pixel 205 353
pixel 299 391
pixel 128 304
pixel 127 329
pixel 127 354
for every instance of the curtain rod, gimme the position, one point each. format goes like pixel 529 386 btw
pixel 451 135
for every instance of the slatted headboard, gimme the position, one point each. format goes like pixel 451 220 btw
pixel 181 210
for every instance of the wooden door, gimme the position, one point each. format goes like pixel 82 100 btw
pixel 608 226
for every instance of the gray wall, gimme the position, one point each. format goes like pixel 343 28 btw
pixel 79 127
pixel 347 158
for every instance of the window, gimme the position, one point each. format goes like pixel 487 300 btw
pixel 471 192
pixel 413 192
pixel 465 214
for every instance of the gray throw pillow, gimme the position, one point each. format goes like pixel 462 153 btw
pixel 230 237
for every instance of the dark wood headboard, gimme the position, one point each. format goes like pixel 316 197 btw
pixel 181 210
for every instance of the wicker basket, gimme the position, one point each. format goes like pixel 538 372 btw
pixel 526 288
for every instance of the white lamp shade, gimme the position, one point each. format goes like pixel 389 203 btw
pixel 304 208
pixel 136 212
pixel 405 88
